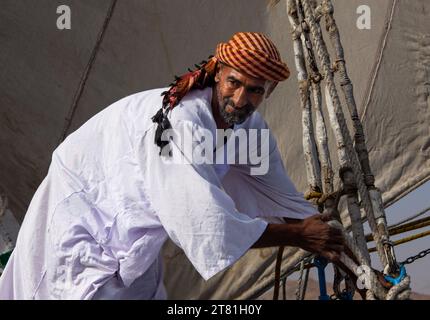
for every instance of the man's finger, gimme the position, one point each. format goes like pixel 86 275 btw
pixel 337 248
pixel 331 255
pixel 336 232
pixel 338 238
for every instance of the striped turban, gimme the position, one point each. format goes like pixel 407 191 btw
pixel 253 54
pixel 248 52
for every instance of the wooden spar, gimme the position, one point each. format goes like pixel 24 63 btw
pixel 347 89
pixel 303 52
pixel 359 138
pixel 347 156
pixel 304 16
pixel 315 82
pixel 309 147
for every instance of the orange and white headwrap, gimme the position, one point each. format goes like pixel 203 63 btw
pixel 253 54
pixel 249 52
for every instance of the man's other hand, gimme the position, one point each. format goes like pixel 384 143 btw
pixel 317 236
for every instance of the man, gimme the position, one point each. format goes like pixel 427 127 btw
pixel 96 225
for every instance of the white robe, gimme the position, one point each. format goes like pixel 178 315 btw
pixel 96 224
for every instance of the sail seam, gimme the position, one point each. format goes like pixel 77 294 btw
pixel 379 61
pixel 84 78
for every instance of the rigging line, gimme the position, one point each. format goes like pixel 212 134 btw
pixel 278 273
pixel 410 218
pixel 308 265
pixel 405 228
pixel 417 224
pixel 378 64
pixel 409 227
pixel 407 239
pixel 83 81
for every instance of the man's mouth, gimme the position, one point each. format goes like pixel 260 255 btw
pixel 229 108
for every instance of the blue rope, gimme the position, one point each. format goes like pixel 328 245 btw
pixel 321 263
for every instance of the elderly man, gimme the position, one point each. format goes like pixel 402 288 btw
pixel 118 187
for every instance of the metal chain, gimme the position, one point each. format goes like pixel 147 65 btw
pixel 420 255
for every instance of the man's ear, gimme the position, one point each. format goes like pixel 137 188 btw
pixel 217 72
pixel 272 86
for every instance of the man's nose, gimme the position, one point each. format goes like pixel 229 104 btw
pixel 239 98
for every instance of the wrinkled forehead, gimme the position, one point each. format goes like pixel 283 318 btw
pixel 230 72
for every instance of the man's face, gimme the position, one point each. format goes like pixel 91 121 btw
pixel 238 95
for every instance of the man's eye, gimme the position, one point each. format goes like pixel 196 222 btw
pixel 233 83
pixel 257 91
